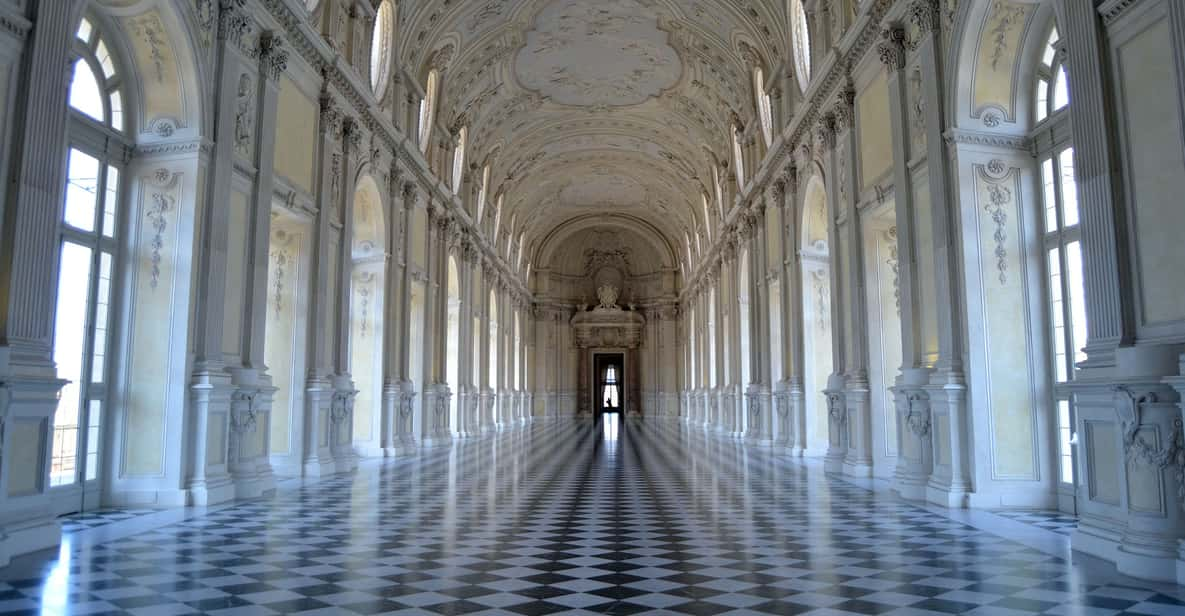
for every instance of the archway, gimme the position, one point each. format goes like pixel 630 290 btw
pixel 368 255
pixel 816 310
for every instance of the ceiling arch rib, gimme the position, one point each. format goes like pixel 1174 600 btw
pixel 615 107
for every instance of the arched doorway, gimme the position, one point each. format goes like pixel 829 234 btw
pixel 368 255
pixel 816 310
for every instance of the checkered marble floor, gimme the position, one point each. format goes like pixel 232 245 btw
pixel 1054 521
pixel 77 522
pixel 646 517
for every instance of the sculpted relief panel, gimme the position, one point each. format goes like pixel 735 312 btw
pixel 597 54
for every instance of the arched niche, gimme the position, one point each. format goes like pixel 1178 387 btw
pixel 818 353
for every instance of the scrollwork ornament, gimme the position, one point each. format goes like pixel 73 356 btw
pixel 1129 406
pixel 245 416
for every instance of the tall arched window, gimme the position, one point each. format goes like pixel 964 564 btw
pixel 764 107
pixel 88 234
pixel 497 217
pixel 382 41
pixel 704 202
pixel 1061 238
pixel 738 156
pixel 1053 92
pixel 687 243
pixel 800 39
pixel 428 108
pixel 459 158
pixel 719 188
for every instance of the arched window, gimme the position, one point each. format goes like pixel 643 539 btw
pixel 94 88
pixel 738 156
pixel 800 39
pixel 719 188
pixel 764 108
pixel 428 108
pixel 687 243
pixel 1061 239
pixel 704 201
pixel 1053 92
pixel 88 232
pixel 481 194
pixel 382 41
pixel 459 158
pixel 497 217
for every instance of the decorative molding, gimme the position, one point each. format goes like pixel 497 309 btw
pixel 970 137
pixel 1111 10
pixel 999 199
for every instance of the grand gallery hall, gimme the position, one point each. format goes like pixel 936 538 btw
pixel 822 307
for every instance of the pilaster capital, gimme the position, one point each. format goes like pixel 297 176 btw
pixel 411 195
pixel 825 131
pixel 331 117
pixel 790 178
pixel 925 17
pixel 892 48
pixel 843 112
pixel 233 21
pixel 273 60
pixel 352 131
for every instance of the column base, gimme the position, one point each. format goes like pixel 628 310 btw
pixel 210 492
pixel 318 467
pixel 24 536
pixel 857 469
pixel 833 464
pixel 909 487
pixel 952 496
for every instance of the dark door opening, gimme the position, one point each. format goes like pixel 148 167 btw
pixel 610 389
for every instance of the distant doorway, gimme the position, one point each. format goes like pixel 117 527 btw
pixel 610 380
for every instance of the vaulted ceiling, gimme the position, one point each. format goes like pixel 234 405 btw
pixel 607 106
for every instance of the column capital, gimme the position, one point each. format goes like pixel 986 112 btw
pixel 273 59
pixel 892 48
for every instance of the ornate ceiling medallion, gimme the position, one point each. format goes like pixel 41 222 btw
pixel 595 54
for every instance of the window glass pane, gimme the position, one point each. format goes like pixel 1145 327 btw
pixel 1047 56
pixel 84 31
pixel 1069 188
pixel 110 201
pixel 105 61
pixel 102 313
pixel 94 422
pixel 1077 291
pixel 82 185
pixel 1047 181
pixel 74 273
pixel 1057 314
pixel 85 94
pixel 1065 433
pixel 116 110
pixel 1061 93
pixel 1042 99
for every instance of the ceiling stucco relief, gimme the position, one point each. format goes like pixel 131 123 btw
pixel 605 188
pixel 597 107
pixel 590 54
